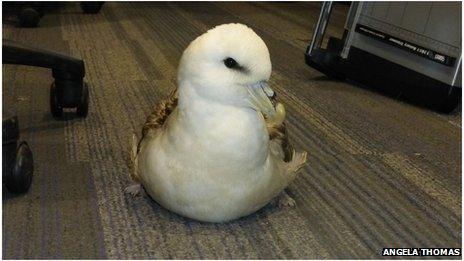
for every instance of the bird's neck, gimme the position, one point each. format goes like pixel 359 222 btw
pixel 225 128
pixel 200 110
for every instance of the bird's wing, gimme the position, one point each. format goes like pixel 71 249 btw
pixel 280 145
pixel 157 118
pixel 279 136
pixel 154 121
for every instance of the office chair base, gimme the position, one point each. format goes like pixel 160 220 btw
pixel 55 108
pixel 30 13
pixel 29 17
pixel 17 161
pixel 68 90
pixel 20 178
pixel 83 106
pixel 66 94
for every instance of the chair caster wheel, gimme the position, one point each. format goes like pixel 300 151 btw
pixel 55 107
pixel 29 17
pixel 91 7
pixel 20 178
pixel 69 97
pixel 83 105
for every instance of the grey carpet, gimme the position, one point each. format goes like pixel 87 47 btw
pixel 381 173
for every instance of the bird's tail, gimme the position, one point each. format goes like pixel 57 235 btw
pixel 133 164
pixel 298 161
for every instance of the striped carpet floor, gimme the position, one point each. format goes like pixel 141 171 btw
pixel 381 173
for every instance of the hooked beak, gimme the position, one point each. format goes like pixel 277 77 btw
pixel 260 93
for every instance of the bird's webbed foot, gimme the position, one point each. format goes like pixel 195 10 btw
pixel 284 200
pixel 134 189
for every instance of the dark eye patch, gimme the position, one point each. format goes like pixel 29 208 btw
pixel 232 64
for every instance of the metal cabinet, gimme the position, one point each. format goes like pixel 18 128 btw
pixel 411 50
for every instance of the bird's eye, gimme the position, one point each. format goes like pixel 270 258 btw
pixel 230 62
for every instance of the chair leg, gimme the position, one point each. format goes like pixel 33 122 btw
pixel 68 90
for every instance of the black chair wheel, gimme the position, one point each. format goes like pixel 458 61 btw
pixel 29 17
pixel 20 178
pixel 91 7
pixel 40 10
pixel 55 107
pixel 83 106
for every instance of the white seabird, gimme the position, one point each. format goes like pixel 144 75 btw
pixel 217 149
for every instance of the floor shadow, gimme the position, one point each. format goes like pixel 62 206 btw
pixel 325 78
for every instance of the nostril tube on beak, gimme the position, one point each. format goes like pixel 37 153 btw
pixel 269 92
pixel 259 94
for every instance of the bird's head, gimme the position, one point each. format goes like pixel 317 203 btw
pixel 229 64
